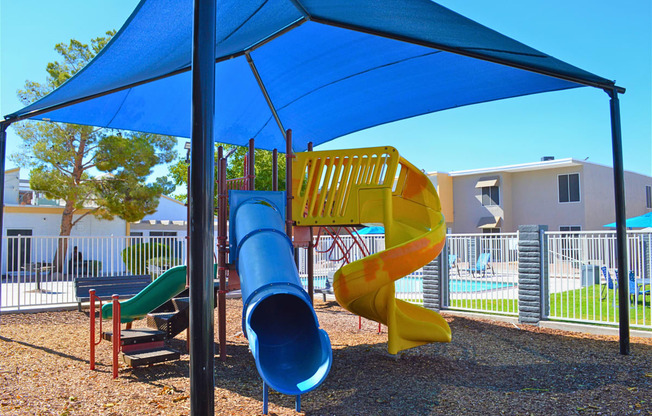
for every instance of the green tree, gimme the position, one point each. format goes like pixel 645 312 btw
pixel 87 166
pixel 178 172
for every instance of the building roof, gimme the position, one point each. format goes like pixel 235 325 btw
pixel 521 167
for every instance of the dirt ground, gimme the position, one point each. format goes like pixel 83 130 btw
pixel 489 368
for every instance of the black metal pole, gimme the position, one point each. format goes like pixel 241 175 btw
pixel 3 150
pixel 202 179
pixel 288 183
pixel 275 170
pixel 621 231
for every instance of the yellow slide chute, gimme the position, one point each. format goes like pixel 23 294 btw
pixel 374 186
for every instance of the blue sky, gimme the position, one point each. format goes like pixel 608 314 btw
pixel 613 41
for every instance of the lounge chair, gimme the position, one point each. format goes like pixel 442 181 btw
pixel 634 291
pixel 452 262
pixel 481 265
pixel 611 284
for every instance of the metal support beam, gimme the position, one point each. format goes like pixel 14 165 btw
pixel 221 253
pixel 270 104
pixel 251 167
pixel 621 231
pixel 288 183
pixel 275 170
pixel 200 199
pixel 3 150
pixel 311 257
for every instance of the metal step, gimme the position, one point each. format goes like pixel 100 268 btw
pixel 136 336
pixel 153 356
pixel 172 319
pixel 181 303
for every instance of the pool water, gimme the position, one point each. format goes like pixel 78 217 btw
pixel 457 286
pixel 411 284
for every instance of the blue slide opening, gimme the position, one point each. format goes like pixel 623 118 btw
pixel 290 353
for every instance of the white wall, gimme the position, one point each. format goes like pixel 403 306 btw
pixel 12 184
pixel 168 209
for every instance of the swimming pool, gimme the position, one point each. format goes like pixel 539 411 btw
pixel 412 284
pixel 458 286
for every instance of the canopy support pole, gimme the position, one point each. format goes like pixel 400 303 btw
pixel 3 150
pixel 259 80
pixel 621 232
pixel 201 201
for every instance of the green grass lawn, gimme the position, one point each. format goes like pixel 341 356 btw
pixel 584 304
pixel 587 304
pixel 505 306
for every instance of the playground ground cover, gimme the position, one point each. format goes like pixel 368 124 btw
pixel 489 368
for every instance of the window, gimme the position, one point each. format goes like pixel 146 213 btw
pixel 491 230
pixel 569 187
pixel 648 196
pixel 139 237
pixel 570 243
pixel 162 237
pixel 490 196
pixel 162 233
pixel 167 239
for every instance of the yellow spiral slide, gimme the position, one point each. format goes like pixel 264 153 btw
pixel 376 186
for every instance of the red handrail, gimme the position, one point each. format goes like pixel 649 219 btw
pixel 93 343
pixel 116 333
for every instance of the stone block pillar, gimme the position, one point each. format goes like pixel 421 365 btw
pixel 533 302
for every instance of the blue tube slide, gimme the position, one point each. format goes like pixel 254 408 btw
pixel 293 355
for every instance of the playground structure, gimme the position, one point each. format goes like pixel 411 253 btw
pixel 376 186
pixel 328 189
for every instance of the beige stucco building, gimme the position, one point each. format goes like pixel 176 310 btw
pixel 564 194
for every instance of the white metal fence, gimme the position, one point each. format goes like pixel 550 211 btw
pixel 583 274
pixel 581 284
pixel 483 272
pixel 40 271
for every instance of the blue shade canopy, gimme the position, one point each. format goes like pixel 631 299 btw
pixel 642 221
pixel 326 68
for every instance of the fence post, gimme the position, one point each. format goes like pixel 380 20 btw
pixel 532 274
pixel 435 281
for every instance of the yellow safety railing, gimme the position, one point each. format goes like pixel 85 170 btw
pixel 326 184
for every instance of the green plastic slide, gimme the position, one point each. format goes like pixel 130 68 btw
pixel 164 288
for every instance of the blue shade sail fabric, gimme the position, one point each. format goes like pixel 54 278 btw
pixel 329 67
pixel 642 221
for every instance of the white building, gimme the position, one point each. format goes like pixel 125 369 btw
pixel 30 214
pixel 564 194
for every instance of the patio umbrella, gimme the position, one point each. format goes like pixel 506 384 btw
pixel 642 221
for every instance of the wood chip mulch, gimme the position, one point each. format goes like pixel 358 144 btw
pixel 490 368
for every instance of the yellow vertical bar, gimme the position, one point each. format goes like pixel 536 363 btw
pixel 345 184
pixel 334 185
pixel 375 179
pixel 313 185
pixel 328 163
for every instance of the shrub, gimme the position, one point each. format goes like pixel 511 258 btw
pixel 137 257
